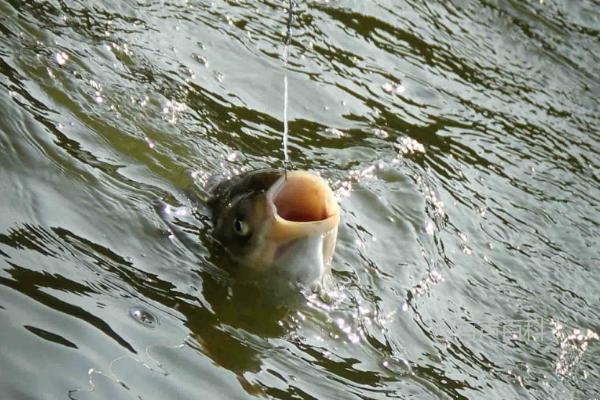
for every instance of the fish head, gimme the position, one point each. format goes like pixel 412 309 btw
pixel 285 223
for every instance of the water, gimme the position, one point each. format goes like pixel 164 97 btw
pixel 463 143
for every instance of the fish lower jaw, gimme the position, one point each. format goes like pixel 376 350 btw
pixel 301 260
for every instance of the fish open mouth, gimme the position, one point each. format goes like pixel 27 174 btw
pixel 302 205
pixel 302 198
pixel 304 218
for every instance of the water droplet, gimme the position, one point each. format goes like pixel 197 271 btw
pixel 234 155
pixel 61 58
pixel 387 87
pixel 393 88
pixel 201 59
pixel 380 133
pixel 143 316
pixel 95 85
pixel 429 228
pixel 466 250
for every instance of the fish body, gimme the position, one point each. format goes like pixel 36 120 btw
pixel 271 221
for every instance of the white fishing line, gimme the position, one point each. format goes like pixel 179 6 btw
pixel 285 120
pixel 285 86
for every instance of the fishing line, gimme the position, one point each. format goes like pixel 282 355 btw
pixel 288 38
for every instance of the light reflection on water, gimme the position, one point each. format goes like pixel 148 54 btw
pixel 461 140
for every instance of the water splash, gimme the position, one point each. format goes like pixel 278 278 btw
pixel 408 146
pixel 171 110
pixel 573 346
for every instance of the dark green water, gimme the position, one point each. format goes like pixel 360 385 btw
pixel 463 141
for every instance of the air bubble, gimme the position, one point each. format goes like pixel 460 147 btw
pixel 143 316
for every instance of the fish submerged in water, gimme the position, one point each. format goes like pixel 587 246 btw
pixel 268 222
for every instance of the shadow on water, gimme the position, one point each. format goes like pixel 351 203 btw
pixel 231 304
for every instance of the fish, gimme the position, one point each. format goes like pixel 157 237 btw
pixel 280 223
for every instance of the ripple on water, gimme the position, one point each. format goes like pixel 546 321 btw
pixel 460 138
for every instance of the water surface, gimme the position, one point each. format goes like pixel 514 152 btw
pixel 462 140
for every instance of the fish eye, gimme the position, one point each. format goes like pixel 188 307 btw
pixel 240 227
